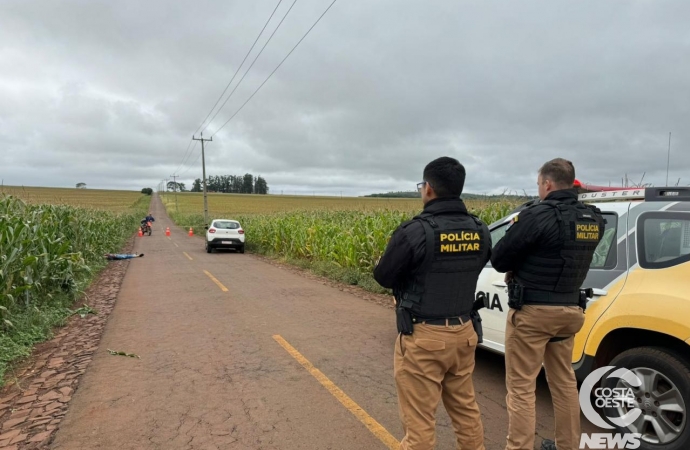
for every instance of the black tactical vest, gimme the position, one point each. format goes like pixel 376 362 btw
pixel 444 285
pixel 581 229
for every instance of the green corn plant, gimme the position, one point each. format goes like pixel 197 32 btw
pixel 49 249
pixel 350 238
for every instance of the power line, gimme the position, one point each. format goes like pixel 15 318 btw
pixel 190 153
pixel 252 65
pixel 276 69
pixel 186 155
pixel 187 151
pixel 240 66
pixel 193 163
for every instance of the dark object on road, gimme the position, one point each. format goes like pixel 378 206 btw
pixel 116 256
pixel 117 353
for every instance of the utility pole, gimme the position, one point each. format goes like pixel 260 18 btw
pixel 203 169
pixel 174 177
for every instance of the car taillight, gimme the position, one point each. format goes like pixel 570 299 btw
pixel 211 230
pixel 240 231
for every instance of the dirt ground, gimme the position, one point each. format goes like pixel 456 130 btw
pixel 211 373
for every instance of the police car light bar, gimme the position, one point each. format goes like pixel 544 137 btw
pixel 618 194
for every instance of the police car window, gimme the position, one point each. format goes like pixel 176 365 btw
pixel 605 253
pixel 498 233
pixel 664 239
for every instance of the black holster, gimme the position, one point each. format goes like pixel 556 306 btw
pixel 477 325
pixel 403 318
pixel 584 295
pixel 515 295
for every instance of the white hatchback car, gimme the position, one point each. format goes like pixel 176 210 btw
pixel 225 233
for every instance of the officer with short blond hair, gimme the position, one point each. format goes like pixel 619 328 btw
pixel 432 264
pixel 546 255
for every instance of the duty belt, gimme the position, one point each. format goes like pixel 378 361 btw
pixel 457 320
pixel 537 297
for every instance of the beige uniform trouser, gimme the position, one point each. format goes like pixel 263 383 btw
pixel 527 346
pixel 436 362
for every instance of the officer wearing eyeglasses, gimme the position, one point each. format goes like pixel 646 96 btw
pixel 432 263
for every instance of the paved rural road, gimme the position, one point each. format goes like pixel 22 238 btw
pixel 214 375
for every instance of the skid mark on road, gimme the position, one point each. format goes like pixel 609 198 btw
pixel 220 285
pixel 188 257
pixel 376 428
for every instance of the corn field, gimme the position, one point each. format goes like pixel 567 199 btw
pixel 47 253
pixel 350 239
pixel 106 200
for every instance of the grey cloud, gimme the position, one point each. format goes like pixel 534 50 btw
pixel 110 92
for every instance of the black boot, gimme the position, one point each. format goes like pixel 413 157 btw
pixel 548 444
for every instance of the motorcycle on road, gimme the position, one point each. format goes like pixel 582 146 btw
pixel 146 228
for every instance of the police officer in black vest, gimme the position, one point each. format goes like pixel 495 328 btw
pixel 546 253
pixel 432 264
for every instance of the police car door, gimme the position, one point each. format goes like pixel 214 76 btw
pixel 492 287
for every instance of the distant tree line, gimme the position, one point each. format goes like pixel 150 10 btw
pixel 465 196
pixel 399 194
pixel 233 184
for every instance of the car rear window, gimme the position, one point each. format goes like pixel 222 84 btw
pixel 605 255
pixel 663 239
pixel 226 225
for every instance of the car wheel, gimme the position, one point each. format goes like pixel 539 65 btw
pixel 209 249
pixel 663 397
pixel 241 249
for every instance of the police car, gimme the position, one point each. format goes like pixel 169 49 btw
pixel 639 315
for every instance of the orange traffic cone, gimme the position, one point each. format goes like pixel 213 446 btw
pixel 140 233
pixel 167 231
pixel 191 232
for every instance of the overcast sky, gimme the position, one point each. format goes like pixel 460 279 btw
pixel 109 93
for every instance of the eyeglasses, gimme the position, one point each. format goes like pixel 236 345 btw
pixel 421 185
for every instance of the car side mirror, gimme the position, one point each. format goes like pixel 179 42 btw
pixel 205 227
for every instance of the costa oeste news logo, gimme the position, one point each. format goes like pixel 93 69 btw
pixel 619 397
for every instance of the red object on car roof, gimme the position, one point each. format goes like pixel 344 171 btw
pixel 582 187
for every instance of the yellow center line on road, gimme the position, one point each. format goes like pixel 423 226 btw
pixel 190 258
pixel 220 285
pixel 376 428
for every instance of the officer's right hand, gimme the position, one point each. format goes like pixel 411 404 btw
pixel 509 277
pixel 478 304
